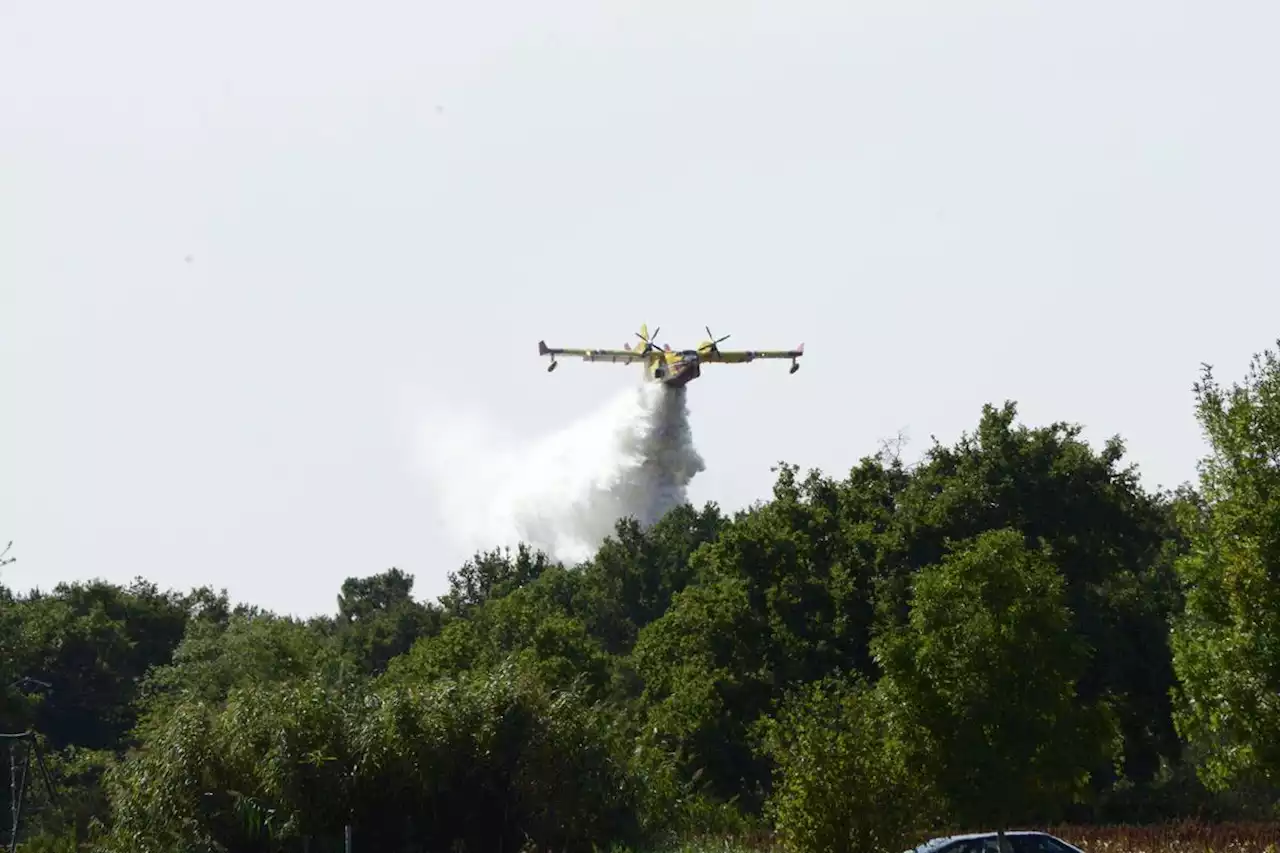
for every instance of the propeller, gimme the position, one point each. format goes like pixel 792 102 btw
pixel 648 342
pixel 714 340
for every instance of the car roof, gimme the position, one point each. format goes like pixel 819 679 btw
pixel 971 836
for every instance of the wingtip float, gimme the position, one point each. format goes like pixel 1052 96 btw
pixel 673 368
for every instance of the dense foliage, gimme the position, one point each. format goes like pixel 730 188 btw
pixel 1011 631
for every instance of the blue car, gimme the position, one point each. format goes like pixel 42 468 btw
pixel 1016 841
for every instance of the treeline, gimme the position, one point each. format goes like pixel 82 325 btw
pixel 1011 631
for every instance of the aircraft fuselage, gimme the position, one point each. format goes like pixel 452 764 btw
pixel 675 370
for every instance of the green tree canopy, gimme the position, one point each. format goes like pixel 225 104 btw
pixel 844 780
pixel 986 667
pixel 1227 642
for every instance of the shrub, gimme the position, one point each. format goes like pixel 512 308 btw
pixel 842 780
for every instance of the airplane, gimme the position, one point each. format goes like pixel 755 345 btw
pixel 675 369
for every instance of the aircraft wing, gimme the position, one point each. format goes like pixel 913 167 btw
pixel 743 355
pixel 624 356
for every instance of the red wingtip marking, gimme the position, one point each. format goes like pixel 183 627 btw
pixel 800 348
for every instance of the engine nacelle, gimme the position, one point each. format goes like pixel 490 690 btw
pixel 795 365
pixel 552 366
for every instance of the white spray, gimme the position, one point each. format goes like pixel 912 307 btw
pixel 564 493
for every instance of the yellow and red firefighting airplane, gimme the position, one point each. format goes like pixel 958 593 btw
pixel 672 368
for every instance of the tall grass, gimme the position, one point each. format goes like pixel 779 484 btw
pixel 1183 837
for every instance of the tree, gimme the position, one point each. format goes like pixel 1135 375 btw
pixel 249 647
pixel 378 619
pixel 638 570
pixel 986 667
pixel 363 597
pixel 1112 541
pixel 843 781
pixel 94 642
pixel 523 624
pixel 706 679
pixel 491 574
pixel 1227 640
pixel 783 596
pixel 486 761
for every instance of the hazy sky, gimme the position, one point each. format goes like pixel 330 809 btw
pixel 245 246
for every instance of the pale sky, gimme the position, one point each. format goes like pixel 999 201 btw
pixel 1071 205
